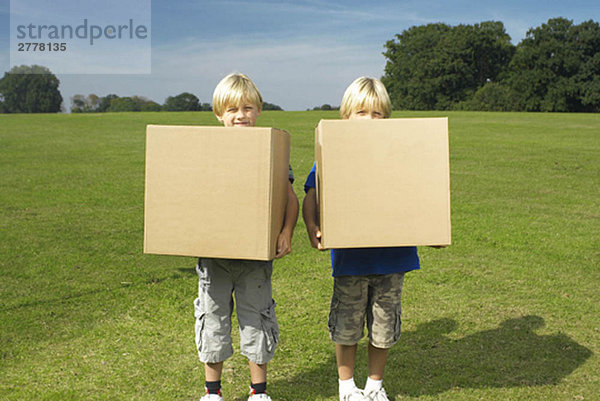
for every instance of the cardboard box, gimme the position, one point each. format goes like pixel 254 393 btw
pixel 383 183
pixel 215 191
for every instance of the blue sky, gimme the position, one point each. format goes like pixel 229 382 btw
pixel 299 53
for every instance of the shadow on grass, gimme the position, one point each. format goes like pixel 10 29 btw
pixel 426 362
pixel 188 270
pixel 113 288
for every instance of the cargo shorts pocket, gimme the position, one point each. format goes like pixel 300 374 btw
pixel 270 327
pixel 199 330
pixel 398 323
pixel 333 316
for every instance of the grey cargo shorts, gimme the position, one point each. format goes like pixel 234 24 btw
pixel 374 297
pixel 250 282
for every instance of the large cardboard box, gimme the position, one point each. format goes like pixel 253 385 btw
pixel 215 191
pixel 383 183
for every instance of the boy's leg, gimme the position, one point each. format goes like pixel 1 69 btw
pixel 345 357
pixel 384 311
pixel 212 380
pixel 212 371
pixel 346 322
pixel 347 316
pixel 213 309
pixel 258 373
pixel 374 386
pixel 377 360
pixel 255 308
pixel 383 324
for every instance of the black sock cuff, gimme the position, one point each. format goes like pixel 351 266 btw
pixel 213 387
pixel 259 388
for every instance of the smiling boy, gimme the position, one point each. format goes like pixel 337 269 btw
pixel 238 103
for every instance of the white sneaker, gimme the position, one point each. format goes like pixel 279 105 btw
pixel 211 397
pixel 355 395
pixel 377 395
pixel 256 397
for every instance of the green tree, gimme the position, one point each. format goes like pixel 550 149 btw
pixel 85 104
pixel 183 102
pixel 133 103
pixel 93 101
pixel 270 106
pixel 557 67
pixel 150 106
pixel 493 96
pixel 123 104
pixel 105 102
pixel 30 89
pixel 77 103
pixel 435 66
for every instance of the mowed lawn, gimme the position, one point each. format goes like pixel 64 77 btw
pixel 510 311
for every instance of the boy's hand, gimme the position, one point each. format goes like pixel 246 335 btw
pixel 311 219
pixel 314 235
pixel 284 244
pixel 284 239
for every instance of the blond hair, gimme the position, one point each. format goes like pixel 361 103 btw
pixel 366 93
pixel 233 90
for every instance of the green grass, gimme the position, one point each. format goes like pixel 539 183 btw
pixel 508 312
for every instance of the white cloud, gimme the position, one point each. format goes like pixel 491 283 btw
pixel 295 75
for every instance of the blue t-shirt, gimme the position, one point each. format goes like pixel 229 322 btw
pixel 365 261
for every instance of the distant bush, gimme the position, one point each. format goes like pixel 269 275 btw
pixel 150 106
pixel 492 96
pixel 113 103
pixel 271 106
pixel 326 107
pixel 183 102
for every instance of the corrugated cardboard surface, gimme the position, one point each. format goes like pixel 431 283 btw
pixel 383 183
pixel 215 191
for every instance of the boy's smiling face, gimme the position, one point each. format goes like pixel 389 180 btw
pixel 241 115
pixel 366 114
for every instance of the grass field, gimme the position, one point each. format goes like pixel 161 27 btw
pixel 509 312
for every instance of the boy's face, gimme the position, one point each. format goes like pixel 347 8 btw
pixel 365 114
pixel 241 115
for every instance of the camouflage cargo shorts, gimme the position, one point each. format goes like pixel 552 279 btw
pixel 250 282
pixel 376 298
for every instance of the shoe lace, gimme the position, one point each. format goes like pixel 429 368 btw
pixel 378 395
pixel 355 395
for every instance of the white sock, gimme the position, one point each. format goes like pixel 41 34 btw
pixel 346 386
pixel 373 385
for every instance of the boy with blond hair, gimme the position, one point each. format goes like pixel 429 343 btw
pixel 238 103
pixel 367 281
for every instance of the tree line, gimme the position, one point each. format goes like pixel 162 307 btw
pixel 555 68
pixel 112 103
pixel 34 89
pixel 324 107
pixel 93 103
